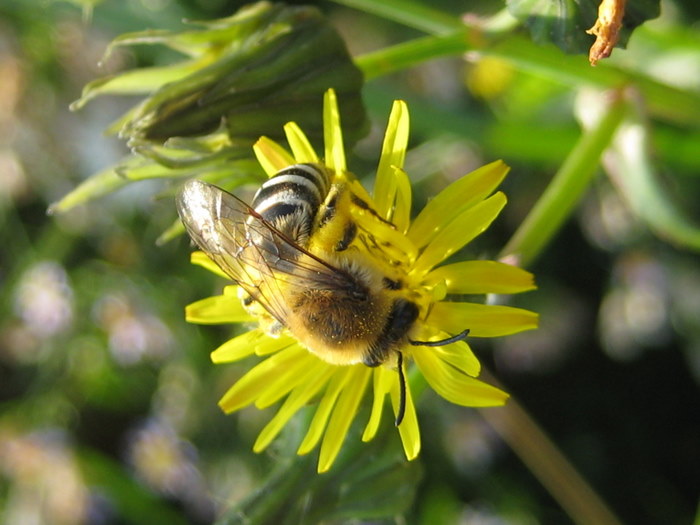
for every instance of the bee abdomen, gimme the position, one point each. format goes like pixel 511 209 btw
pixel 291 198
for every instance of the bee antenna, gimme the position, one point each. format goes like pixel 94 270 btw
pixel 442 342
pixel 402 391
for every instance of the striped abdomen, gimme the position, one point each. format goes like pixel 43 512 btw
pixel 291 199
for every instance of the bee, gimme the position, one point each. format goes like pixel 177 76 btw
pixel 295 252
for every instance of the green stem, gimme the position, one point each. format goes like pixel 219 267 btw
pixel 547 463
pixel 406 12
pixel 411 53
pixel 664 101
pixel 566 188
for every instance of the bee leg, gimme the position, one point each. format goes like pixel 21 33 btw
pixel 328 210
pixel 402 390
pixel 348 236
pixel 442 342
pixel 372 361
pixel 390 284
pixel 357 201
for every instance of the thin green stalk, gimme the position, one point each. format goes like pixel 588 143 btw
pixel 547 463
pixel 664 101
pixel 408 13
pixel 566 188
pixel 412 53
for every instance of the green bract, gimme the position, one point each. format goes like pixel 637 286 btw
pixel 248 74
pixel 243 77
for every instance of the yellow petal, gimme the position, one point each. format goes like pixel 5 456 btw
pixel 462 229
pixel 402 206
pixel 458 354
pixel 383 378
pixel 254 382
pixel 233 291
pixel 450 202
pixel 274 344
pixel 314 378
pixel 455 386
pixel 408 429
pixel 483 320
pixel 393 155
pixel 482 277
pixel 301 147
pixel 244 345
pixel 357 188
pixel 323 411
pixel 332 133
pixel 393 241
pixel 286 379
pixel 271 156
pixel 200 258
pixel 219 309
pixel 343 414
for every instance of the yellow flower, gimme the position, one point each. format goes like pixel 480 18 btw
pixel 450 220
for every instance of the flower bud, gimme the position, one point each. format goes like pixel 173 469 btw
pixel 249 75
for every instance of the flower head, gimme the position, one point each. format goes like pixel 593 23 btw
pixel 237 78
pixel 411 252
pixel 246 74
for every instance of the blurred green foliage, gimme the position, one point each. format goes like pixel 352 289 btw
pixel 108 407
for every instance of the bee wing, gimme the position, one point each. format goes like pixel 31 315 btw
pixel 251 251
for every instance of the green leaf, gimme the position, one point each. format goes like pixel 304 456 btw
pixel 379 488
pixel 369 481
pixel 98 185
pixel 137 82
pixel 565 22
